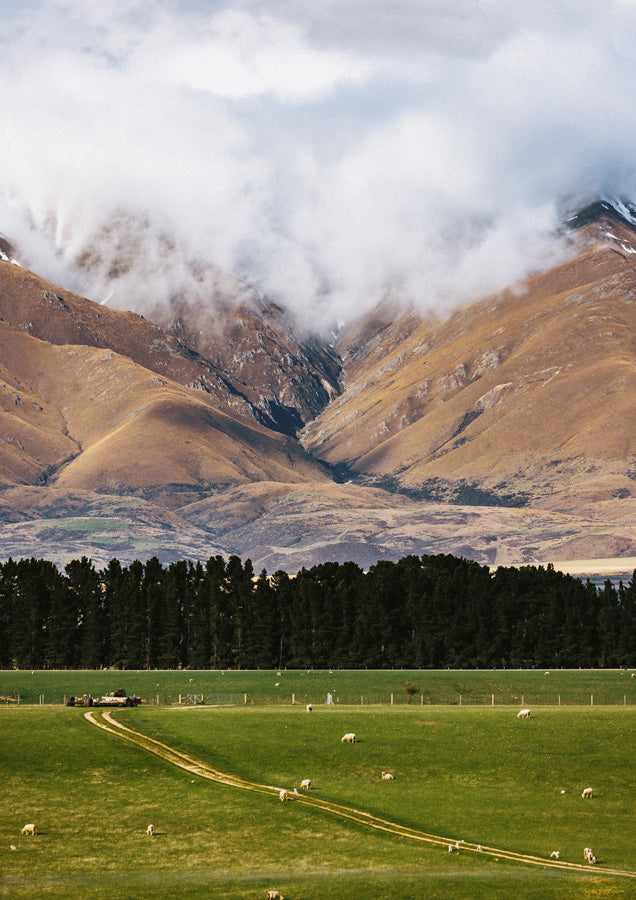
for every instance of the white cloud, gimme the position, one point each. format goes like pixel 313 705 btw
pixel 328 151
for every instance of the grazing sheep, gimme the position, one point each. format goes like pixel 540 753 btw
pixel 309 707
pixel 386 776
pixel 305 784
pixel 555 854
pixel 274 895
pixel 348 738
pixel 28 829
pixel 480 848
pixel 589 856
pixel 523 714
pixel 450 848
pixel 283 795
pixel 587 794
pixel 150 829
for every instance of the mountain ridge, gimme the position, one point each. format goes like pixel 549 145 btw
pixel 503 431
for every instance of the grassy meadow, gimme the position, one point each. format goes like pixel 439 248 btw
pixel 347 687
pixel 473 772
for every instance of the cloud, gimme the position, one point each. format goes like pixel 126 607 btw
pixel 329 153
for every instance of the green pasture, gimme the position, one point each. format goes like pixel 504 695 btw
pixel 476 773
pixel 348 687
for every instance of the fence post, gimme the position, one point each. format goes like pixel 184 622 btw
pixel 391 699
pixel 361 701
pixel 421 699
pixel 157 699
pixel 591 699
pixel 559 699
pixel 244 699
pixel 293 699
pixel 522 701
pixel 493 700
pixel 460 699
pixel 41 699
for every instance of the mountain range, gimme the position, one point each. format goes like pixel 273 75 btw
pixel 503 432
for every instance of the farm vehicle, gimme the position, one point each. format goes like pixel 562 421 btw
pixel 116 699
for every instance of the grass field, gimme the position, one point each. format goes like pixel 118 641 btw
pixel 475 773
pixel 352 687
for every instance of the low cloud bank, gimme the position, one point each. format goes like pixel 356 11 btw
pixel 327 155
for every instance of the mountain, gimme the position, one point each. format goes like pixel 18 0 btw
pixel 524 398
pixel 503 432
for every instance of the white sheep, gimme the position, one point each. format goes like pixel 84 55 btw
pixel 150 830
pixel 386 776
pixel 554 854
pixel 283 795
pixel 523 714
pixel 349 738
pixel 309 707
pixel 28 829
pixel 587 794
pixel 274 895
pixel 451 848
pixel 305 784
pixel 589 856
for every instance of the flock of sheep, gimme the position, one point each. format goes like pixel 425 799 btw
pixel 586 795
pixel 305 784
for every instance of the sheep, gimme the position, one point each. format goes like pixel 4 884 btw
pixel 587 794
pixel 554 854
pixel 480 849
pixel 589 856
pixel 150 830
pixel 309 707
pixel 28 829
pixel 274 895
pixel 283 795
pixel 450 848
pixel 523 714
pixel 305 784
pixel 386 776
pixel 349 738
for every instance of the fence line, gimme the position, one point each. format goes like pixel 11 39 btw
pixel 243 698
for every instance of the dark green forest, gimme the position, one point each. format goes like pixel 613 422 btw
pixel 421 612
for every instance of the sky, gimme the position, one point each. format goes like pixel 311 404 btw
pixel 329 154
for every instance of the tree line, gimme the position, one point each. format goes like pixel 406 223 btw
pixel 421 612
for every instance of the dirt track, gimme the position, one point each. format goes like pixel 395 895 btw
pixel 204 770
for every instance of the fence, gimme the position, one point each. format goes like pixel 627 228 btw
pixel 370 699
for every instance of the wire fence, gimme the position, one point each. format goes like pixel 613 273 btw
pixel 338 700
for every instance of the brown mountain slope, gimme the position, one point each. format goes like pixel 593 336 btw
pixel 244 354
pixel 122 438
pixel 525 397
pixel 85 418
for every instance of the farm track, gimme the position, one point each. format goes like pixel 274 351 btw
pixel 204 770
